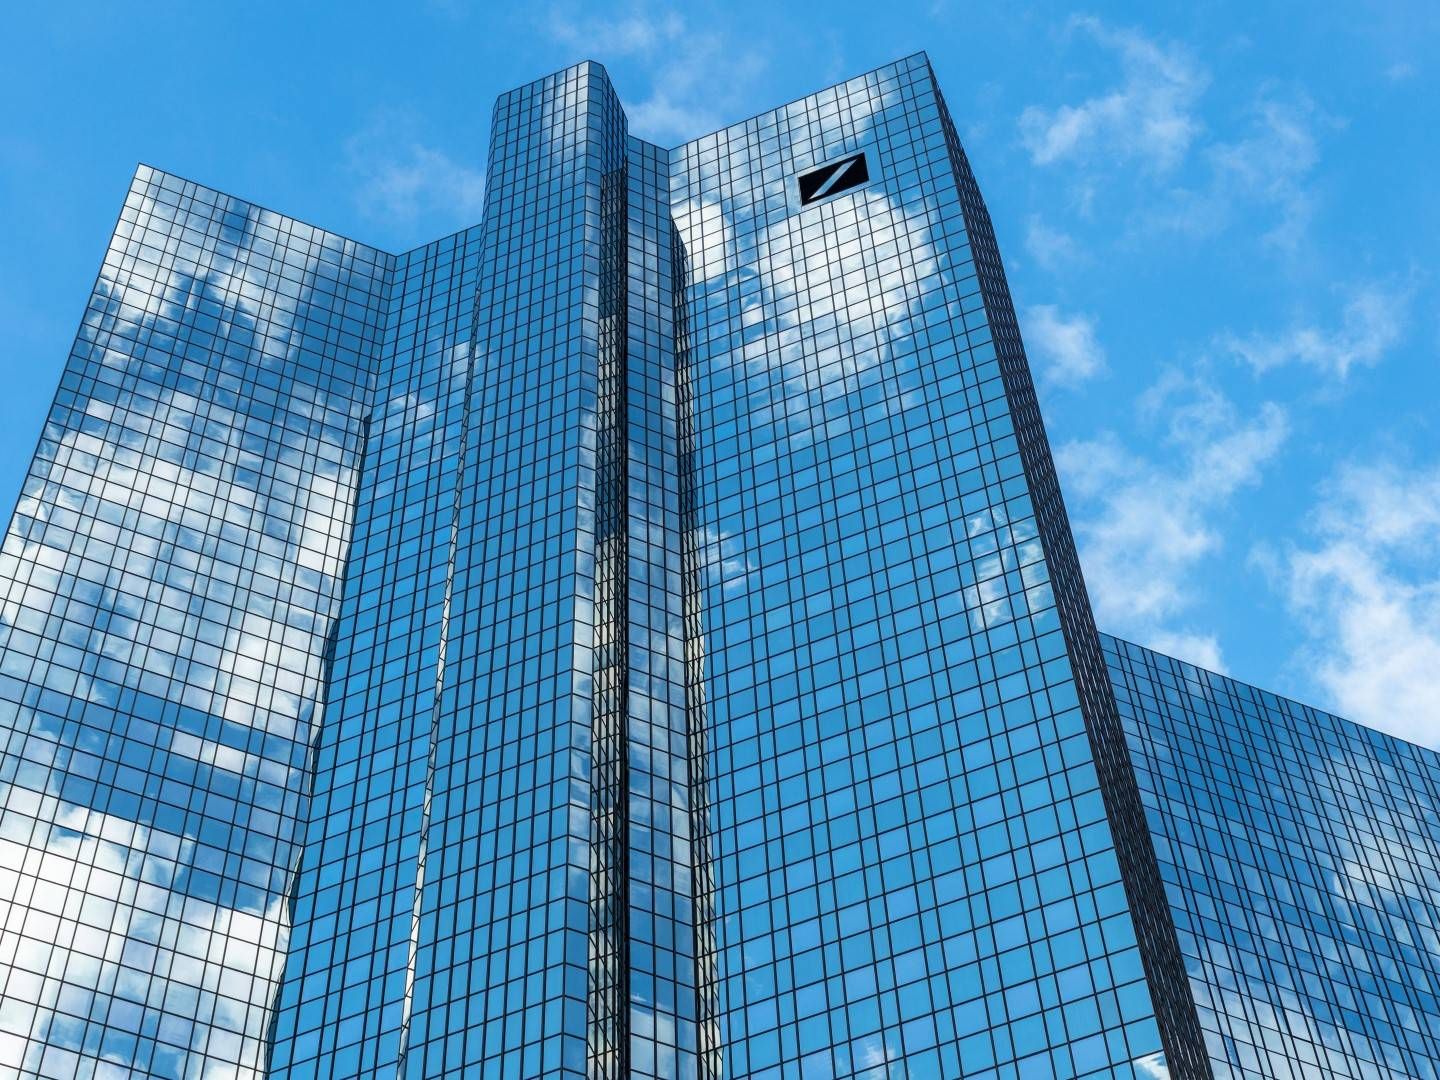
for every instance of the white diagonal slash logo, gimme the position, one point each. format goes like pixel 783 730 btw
pixel 835 178
pixel 832 179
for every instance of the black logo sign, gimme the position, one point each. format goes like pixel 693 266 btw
pixel 832 179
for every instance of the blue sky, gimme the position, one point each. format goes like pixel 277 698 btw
pixel 1219 221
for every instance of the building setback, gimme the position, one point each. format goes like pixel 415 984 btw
pixel 640 635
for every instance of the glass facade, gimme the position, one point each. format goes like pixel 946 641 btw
pixel 169 585
pixel 346 991
pixel 1301 857
pixel 639 635
pixel 914 872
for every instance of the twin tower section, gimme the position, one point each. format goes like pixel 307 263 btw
pixel 712 391
pixel 639 635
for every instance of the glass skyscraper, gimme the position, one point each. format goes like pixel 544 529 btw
pixel 640 636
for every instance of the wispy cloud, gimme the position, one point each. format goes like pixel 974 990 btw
pixel 1149 117
pixel 1371 322
pixel 398 177
pixel 1051 248
pixel 1066 345
pixel 1368 591
pixel 1147 523
pixel 639 31
pixel 1202 170
pixel 699 74
pixel 1271 164
pixel 1267 169
pixel 1201 649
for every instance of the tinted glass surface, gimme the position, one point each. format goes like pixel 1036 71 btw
pixel 623 639
pixel 913 870
pixel 505 951
pixel 1301 855
pixel 168 585
pixel 345 995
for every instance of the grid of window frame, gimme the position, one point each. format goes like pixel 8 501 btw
pixel 661 941
pixel 849 752
pixel 168 583
pixel 640 635
pixel 610 869
pixel 1300 854
pixel 344 1001
pixel 506 904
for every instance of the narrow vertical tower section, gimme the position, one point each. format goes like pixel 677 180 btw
pixel 708 1048
pixel 508 976
pixel 661 856
pixel 608 1043
pixel 344 997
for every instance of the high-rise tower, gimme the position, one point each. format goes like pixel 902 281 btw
pixel 640 635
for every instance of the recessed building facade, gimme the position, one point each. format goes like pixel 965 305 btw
pixel 640 635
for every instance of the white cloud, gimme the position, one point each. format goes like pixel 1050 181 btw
pixel 668 118
pixel 699 75
pixel 1202 650
pixel 1371 322
pixel 1149 117
pixel 1264 171
pixel 1368 590
pixel 399 177
pixel 1051 248
pixel 638 32
pixel 1269 166
pixel 1145 526
pixel 1067 345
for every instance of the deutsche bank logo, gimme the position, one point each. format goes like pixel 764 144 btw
pixel 848 172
